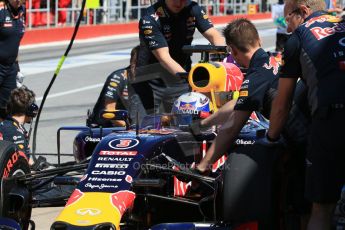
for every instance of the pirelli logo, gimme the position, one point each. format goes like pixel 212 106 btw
pixel 118 153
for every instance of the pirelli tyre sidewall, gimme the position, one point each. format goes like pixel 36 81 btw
pixel 13 163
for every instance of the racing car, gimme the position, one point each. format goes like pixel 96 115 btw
pixel 141 177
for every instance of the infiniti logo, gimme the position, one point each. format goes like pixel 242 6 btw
pixel 88 211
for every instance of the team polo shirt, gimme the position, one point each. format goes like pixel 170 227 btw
pixel 160 28
pixel 259 84
pixel 316 52
pixel 11 130
pixel 115 89
pixel 12 28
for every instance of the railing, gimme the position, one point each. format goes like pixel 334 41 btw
pixel 60 13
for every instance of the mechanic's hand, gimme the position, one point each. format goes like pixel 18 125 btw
pixel 20 78
pixel 266 141
pixel 195 128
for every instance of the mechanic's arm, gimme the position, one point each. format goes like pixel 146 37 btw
pixel 214 37
pixel 220 116
pixel 226 136
pixel 164 58
pixel 281 106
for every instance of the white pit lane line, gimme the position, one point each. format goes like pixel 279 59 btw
pixel 32 68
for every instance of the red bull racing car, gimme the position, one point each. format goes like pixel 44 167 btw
pixel 141 178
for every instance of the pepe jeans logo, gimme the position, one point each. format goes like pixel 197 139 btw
pixel 88 212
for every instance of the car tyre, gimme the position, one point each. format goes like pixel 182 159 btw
pixel 14 162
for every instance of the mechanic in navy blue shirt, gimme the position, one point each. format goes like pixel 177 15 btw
pixel 12 27
pixel 257 89
pixel 316 53
pixel 165 28
pixel 118 94
pixel 21 109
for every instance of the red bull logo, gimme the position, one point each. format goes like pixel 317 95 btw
pixel 272 64
pixel 187 105
pixel 322 18
pixel 122 200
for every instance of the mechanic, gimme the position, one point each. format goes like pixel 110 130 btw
pixel 257 89
pixel 315 52
pixel 165 28
pixel 21 109
pixel 12 28
pixel 256 94
pixel 117 94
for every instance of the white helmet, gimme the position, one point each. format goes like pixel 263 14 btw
pixel 192 103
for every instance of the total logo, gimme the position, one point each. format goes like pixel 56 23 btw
pixel 123 143
pixel 88 212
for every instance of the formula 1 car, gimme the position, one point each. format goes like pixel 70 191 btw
pixel 141 178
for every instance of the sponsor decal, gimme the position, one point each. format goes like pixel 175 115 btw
pixel 108 173
pixel 16 138
pixel 83 178
pixel 146 22
pixel 76 195
pixel 190 21
pixel 155 16
pixel 122 200
pixel 129 179
pixel 88 212
pixel 272 64
pixel 99 186
pixel 240 101
pixel 244 86
pixel 160 12
pixel 244 142
pixel 320 33
pixel 111 166
pixel 166 28
pixel 338 54
pixel 11 161
pixel 146 27
pixel 123 143
pixel 187 105
pixel 153 43
pixel 244 93
pixel 92 139
pixel 113 84
pixel 115 158
pixel 109 93
pixel 342 41
pixel 118 153
pixel 321 19
pixel 147 32
pixel 245 81
pixel 99 179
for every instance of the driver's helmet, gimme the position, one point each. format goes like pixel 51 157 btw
pixel 192 103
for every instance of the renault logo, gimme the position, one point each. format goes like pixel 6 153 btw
pixel 88 211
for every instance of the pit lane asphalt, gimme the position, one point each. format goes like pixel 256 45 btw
pixel 76 89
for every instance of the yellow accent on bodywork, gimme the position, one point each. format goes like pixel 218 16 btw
pixel 77 213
